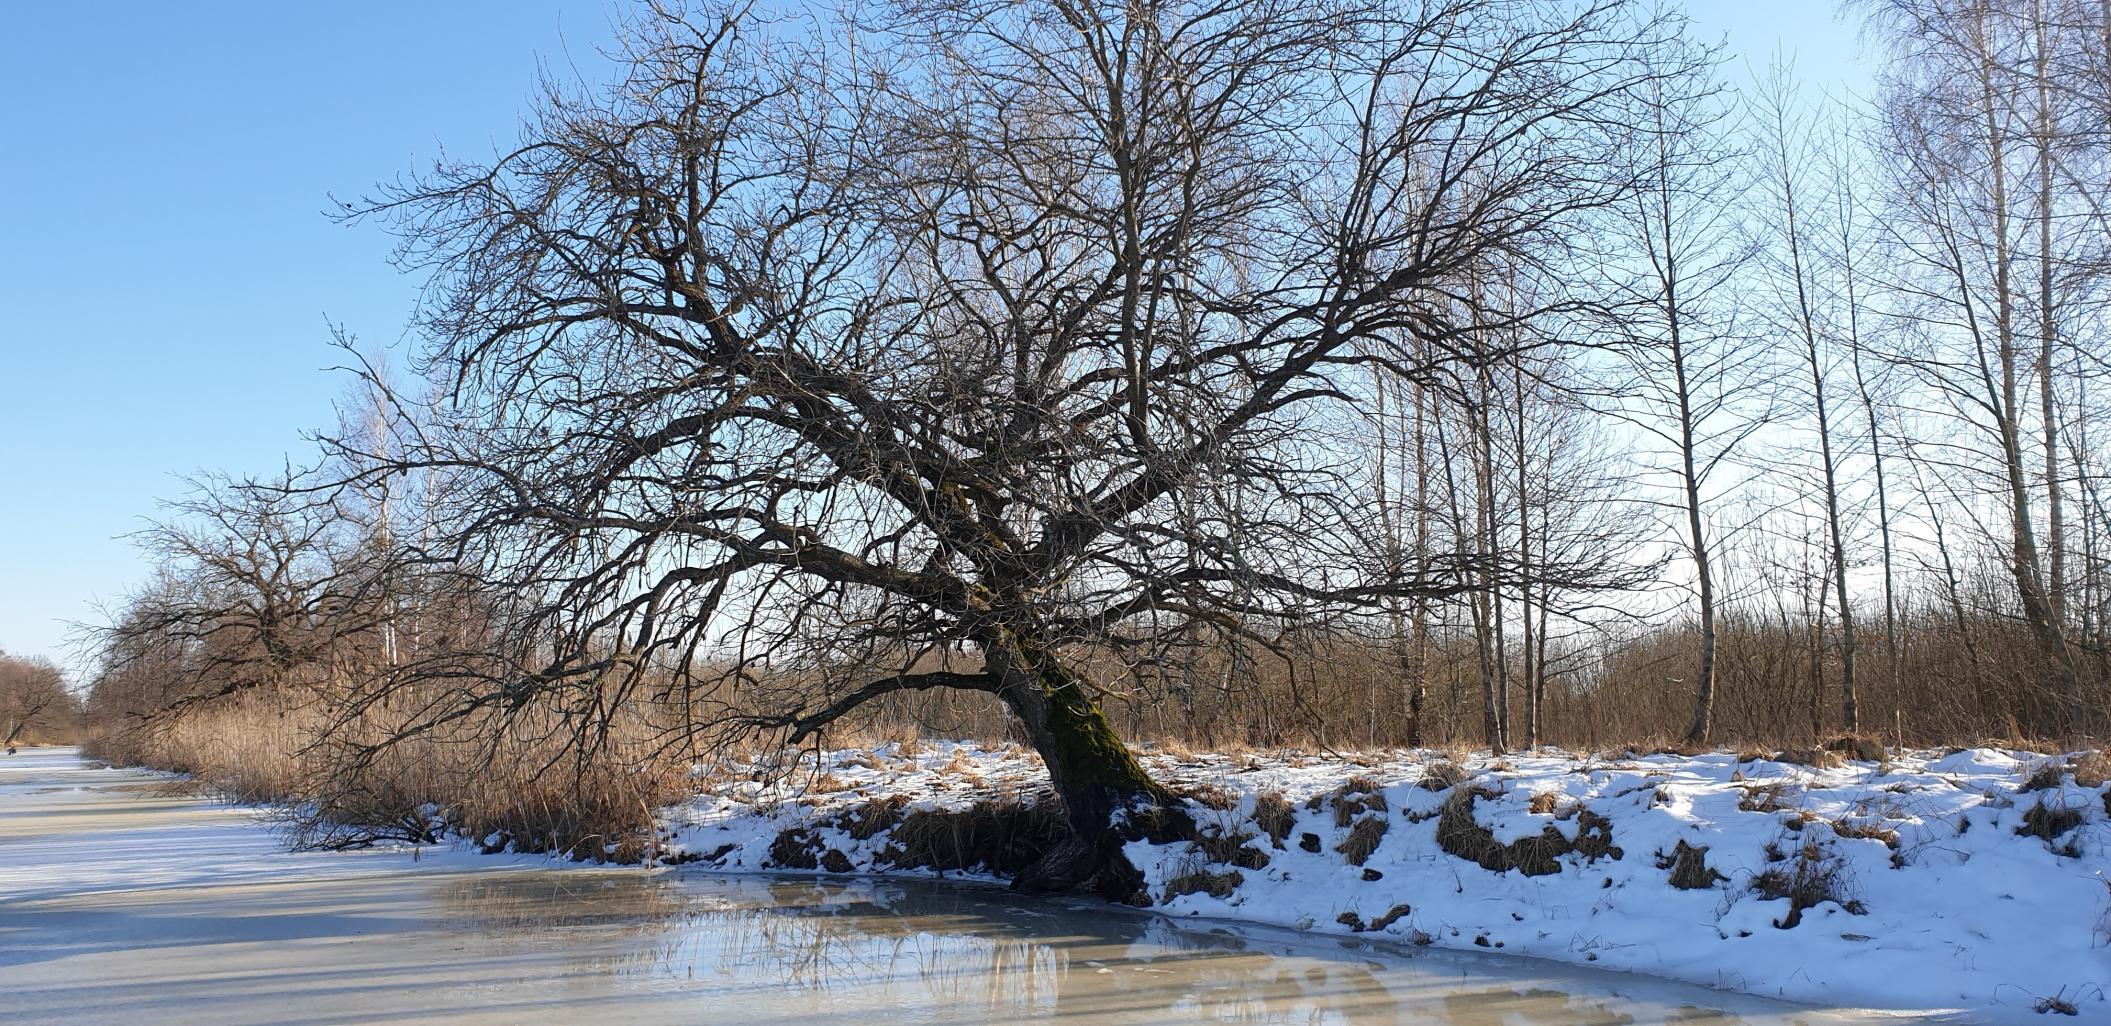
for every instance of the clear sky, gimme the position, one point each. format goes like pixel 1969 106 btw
pixel 168 276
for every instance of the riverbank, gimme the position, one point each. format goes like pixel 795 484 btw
pixel 123 899
pixel 1972 879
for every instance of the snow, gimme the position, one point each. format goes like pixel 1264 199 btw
pixel 126 899
pixel 1937 902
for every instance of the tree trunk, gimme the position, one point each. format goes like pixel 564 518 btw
pixel 1488 606
pixel 1524 560
pixel 2023 550
pixel 1704 581
pixel 1092 771
pixel 2055 528
pixel 1418 686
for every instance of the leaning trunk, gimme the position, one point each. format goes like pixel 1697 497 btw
pixel 1107 797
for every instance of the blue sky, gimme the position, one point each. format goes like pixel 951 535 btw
pixel 168 276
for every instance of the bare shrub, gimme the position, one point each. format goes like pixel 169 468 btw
pixel 1813 876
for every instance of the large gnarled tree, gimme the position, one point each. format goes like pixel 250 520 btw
pixel 982 344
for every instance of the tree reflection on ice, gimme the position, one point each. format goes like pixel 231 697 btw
pixel 937 952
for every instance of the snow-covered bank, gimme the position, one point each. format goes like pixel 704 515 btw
pixel 1973 879
pixel 126 900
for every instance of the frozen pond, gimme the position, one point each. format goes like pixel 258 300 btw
pixel 123 900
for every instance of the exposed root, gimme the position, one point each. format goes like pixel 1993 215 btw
pixel 998 837
pixel 1391 916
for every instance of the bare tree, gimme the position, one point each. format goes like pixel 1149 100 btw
pixel 258 587
pixel 1693 378
pixel 1006 328
pixel 1955 110
pixel 33 696
pixel 1808 312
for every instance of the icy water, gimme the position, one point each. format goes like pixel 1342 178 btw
pixel 123 900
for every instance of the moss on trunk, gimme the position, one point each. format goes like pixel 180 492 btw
pixel 1091 769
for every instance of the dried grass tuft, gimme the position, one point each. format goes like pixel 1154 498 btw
pixel 1363 839
pixel 1459 834
pixel 1813 876
pixel 1858 747
pixel 1689 867
pixel 1443 774
pixel 1203 881
pixel 1815 758
pixel 2045 822
pixel 1210 796
pixel 1273 814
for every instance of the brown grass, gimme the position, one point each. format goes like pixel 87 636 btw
pixel 1273 814
pixel 505 789
pixel 1860 748
pixel 1689 867
pixel 1815 758
pixel 1356 796
pixel 1209 796
pixel 1866 829
pixel 1002 837
pixel 1363 839
pixel 1770 797
pixel 873 816
pixel 2089 769
pixel 1203 881
pixel 1459 834
pixel 1813 876
pixel 2045 822
pixel 1442 775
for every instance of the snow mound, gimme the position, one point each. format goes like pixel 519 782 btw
pixel 1973 879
